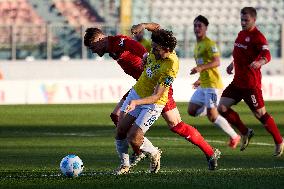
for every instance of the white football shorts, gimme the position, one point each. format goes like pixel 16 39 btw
pixel 145 114
pixel 208 97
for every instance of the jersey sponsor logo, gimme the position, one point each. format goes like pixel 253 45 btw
pixel 265 47
pixel 149 72
pixel 121 42
pixel 247 39
pixel 240 45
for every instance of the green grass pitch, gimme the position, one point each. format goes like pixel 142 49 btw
pixel 34 139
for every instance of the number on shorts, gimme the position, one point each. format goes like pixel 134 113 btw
pixel 214 97
pixel 253 99
pixel 150 121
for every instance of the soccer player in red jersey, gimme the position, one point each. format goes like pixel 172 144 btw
pixel 250 53
pixel 129 55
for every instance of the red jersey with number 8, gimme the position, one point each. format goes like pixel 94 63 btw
pixel 249 46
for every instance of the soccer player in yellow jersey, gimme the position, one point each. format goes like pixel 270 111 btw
pixel 141 39
pixel 209 84
pixel 148 97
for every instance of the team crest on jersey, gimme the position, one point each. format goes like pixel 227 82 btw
pixel 199 61
pixel 214 49
pixel 247 39
pixel 151 70
pixel 121 42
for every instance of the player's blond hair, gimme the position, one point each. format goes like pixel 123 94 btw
pixel 249 10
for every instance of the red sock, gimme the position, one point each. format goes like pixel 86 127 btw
pixel 271 127
pixel 114 118
pixel 192 135
pixel 233 118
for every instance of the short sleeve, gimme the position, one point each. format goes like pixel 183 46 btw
pixel 213 49
pixel 168 75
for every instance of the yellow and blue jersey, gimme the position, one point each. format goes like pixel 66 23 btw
pixel 204 52
pixel 162 72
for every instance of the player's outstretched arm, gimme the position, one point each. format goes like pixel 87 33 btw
pixel 148 26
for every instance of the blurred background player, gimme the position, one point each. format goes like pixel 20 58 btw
pixel 142 40
pixel 209 85
pixel 250 53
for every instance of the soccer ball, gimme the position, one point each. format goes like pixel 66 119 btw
pixel 71 166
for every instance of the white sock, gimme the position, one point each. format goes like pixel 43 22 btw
pixel 122 150
pixel 202 111
pixel 225 126
pixel 148 147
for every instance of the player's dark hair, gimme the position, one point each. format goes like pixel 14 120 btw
pixel 249 10
pixel 164 38
pixel 90 35
pixel 202 19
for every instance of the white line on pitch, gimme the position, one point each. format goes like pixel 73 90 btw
pixel 157 138
pixel 137 172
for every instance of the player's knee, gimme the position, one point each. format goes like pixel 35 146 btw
pixel 211 118
pixel 212 114
pixel 221 108
pixel 173 122
pixel 261 116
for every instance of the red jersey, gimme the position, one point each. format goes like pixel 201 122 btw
pixel 249 46
pixel 128 53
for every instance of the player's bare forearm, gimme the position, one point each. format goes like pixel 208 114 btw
pixel 159 91
pixel 151 26
pixel 148 26
pixel 202 67
pixel 213 64
pixel 258 63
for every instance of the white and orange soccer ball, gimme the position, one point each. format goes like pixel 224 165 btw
pixel 71 166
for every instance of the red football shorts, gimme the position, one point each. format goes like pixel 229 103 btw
pixel 252 97
pixel 171 104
